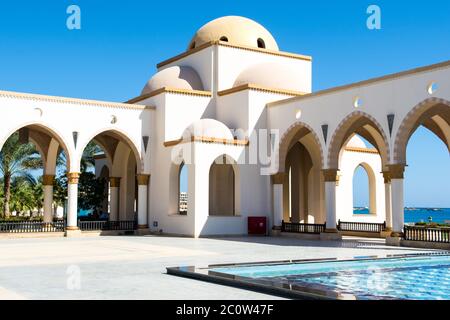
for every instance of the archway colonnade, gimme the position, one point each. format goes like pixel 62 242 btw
pixel 432 113
pixel 123 165
pixel 65 126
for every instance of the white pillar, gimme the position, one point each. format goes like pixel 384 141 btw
pixel 331 178
pixel 388 200
pixel 398 206
pixel 277 183
pixel 47 182
pixel 143 180
pixel 72 206
pixel 114 188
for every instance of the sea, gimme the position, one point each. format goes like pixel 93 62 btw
pixel 412 215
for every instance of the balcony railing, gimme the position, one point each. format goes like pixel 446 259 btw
pixel 361 226
pixel 31 226
pixel 416 233
pixel 303 228
pixel 126 225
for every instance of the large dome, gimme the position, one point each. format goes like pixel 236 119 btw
pixel 174 77
pixel 234 30
pixel 271 75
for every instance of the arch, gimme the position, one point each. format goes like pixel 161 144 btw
pixel 223 186
pixel 294 133
pixel 261 44
pixel 47 129
pixel 372 185
pixel 432 113
pixel 121 137
pixel 366 126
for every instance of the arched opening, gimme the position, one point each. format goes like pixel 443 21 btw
pixel 366 127
pixel 183 189
pixel 107 186
pixel 192 46
pixel 30 159
pixel 423 142
pixel 222 187
pixel 364 190
pixel 223 38
pixel 261 43
pixel 299 164
pixel 360 191
pixel 300 158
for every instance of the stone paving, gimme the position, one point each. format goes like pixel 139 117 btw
pixel 131 267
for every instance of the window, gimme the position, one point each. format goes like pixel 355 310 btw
pixel 224 39
pixel 261 43
pixel 222 188
pixel 192 46
pixel 182 190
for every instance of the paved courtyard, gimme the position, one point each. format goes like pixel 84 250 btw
pixel 131 267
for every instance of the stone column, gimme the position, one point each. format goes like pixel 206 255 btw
pixel 47 182
pixel 114 193
pixel 277 185
pixel 331 179
pixel 142 180
pixel 72 206
pixel 398 206
pixel 388 199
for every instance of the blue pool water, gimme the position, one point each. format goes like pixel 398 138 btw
pixel 439 215
pixel 416 278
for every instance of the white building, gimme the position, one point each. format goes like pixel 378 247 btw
pixel 240 116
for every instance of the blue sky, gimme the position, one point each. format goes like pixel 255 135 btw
pixel 120 42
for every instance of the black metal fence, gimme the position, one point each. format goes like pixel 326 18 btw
pixel 303 228
pixel 31 226
pixel 107 225
pixel 361 226
pixel 416 233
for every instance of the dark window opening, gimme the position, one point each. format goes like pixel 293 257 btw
pixel 224 39
pixel 261 43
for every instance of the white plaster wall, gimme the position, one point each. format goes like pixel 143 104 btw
pixel 232 61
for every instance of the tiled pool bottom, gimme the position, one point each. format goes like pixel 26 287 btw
pixel 421 277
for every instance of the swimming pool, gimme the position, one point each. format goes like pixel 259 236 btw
pixel 420 277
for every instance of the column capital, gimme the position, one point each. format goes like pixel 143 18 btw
pixel 386 176
pixel 48 179
pixel 114 182
pixel 330 175
pixel 397 170
pixel 143 179
pixel 72 177
pixel 278 178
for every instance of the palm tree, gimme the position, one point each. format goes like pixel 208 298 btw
pixel 16 160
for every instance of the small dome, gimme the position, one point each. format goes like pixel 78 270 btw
pixel 235 30
pixel 208 128
pixel 174 77
pixel 356 142
pixel 271 75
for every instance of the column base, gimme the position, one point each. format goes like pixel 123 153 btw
pixel 331 231
pixel 276 231
pixel 142 226
pixel 393 241
pixel 73 232
pixel 143 231
pixel 396 234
